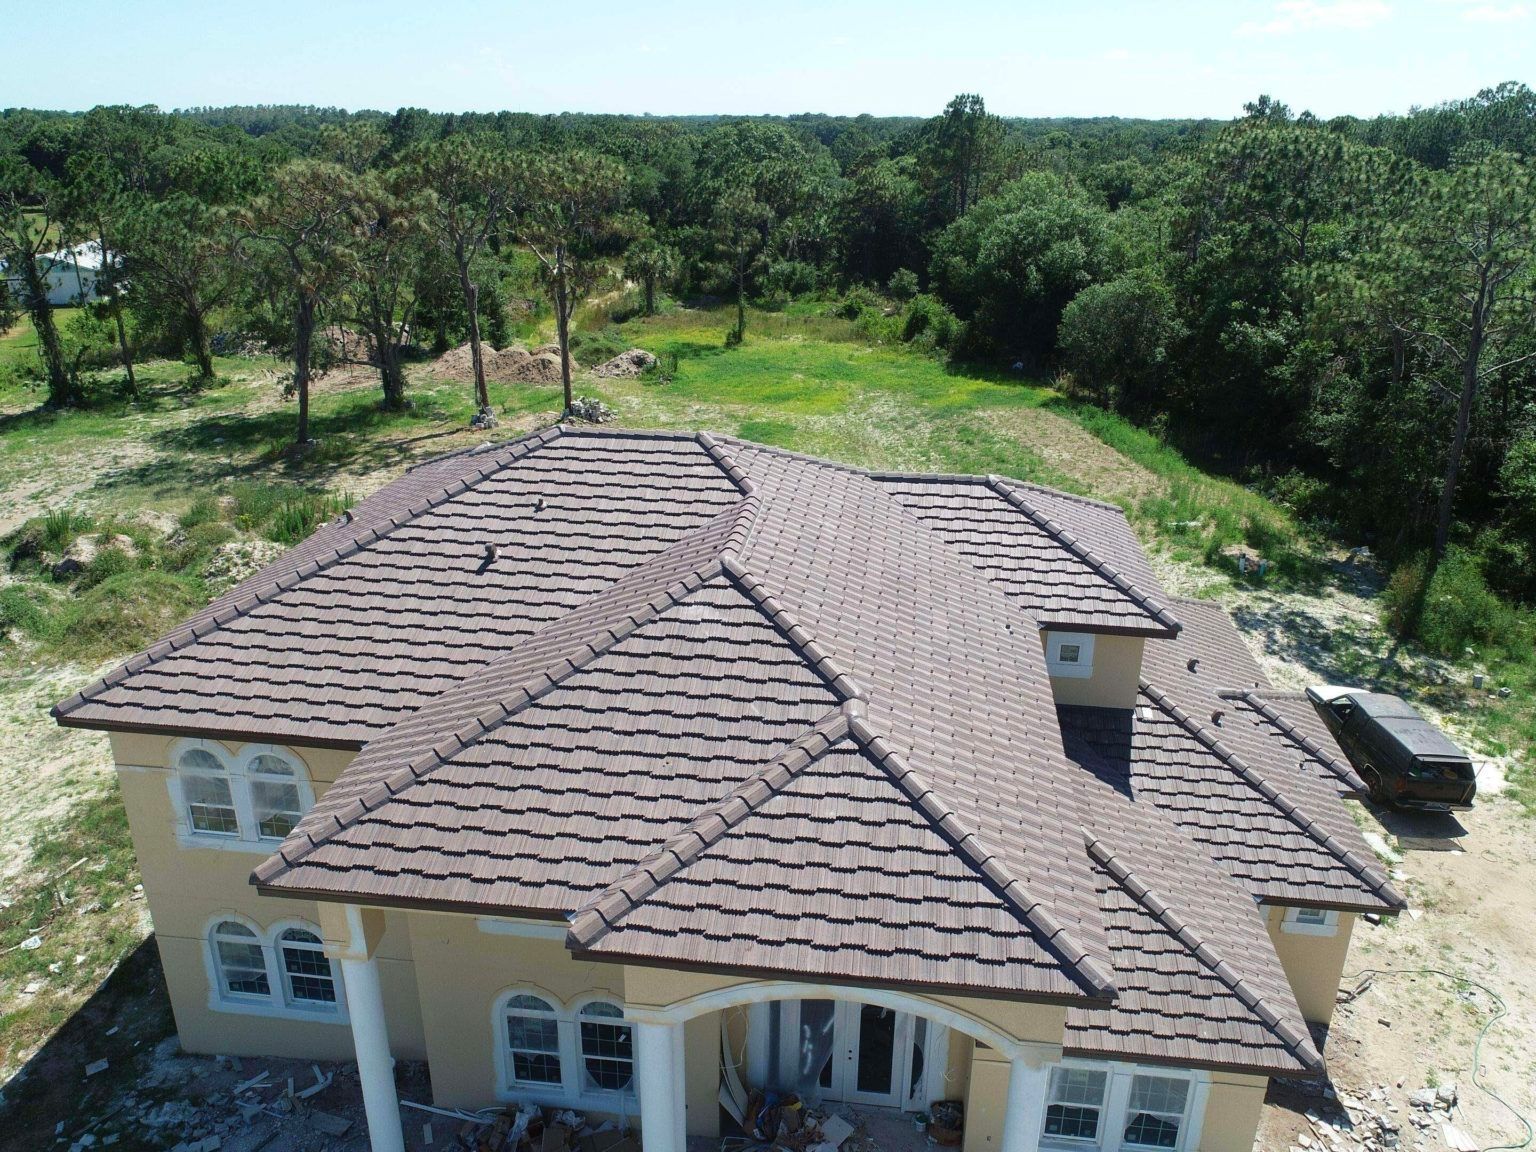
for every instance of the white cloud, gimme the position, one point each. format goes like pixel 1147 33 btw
pixel 1494 13
pixel 1306 15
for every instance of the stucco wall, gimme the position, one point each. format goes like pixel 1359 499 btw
pixel 189 888
pixel 1232 1113
pixel 1116 672
pixel 986 1099
pixel 1313 964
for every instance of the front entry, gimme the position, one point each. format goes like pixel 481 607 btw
pixel 840 1050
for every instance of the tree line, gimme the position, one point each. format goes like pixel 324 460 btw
pixel 1338 311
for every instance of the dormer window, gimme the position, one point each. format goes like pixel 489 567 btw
pixel 1069 654
pixel 252 800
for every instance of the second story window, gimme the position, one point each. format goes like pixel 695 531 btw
pixel 255 798
pixel 1069 654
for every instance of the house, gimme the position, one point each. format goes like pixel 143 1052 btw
pixel 70 275
pixel 597 765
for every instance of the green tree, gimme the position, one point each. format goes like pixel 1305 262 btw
pixel 1117 337
pixel 177 254
pixel 569 211
pixel 961 149
pixel 31 206
pixel 651 264
pixel 387 245
pixel 470 181
pixel 299 232
pixel 741 225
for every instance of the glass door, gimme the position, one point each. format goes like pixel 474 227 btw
pixel 876 1039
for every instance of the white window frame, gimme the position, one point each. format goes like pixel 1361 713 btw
pixel 588 1089
pixel 1114 1115
pixel 573 1090
pixel 1079 669
pixel 238 771
pixel 1302 922
pixel 279 1002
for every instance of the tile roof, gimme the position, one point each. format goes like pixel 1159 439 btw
pixel 722 705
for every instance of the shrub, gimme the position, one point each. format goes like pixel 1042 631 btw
pixel 24 608
pixel 854 303
pixel 1115 338
pixel 61 526
pixel 1449 611
pixel 204 510
pixel 124 613
pixel 903 284
pixel 597 346
pixel 108 562
pixel 930 325
pixel 788 279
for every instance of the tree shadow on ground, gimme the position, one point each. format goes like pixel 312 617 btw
pixel 53 1087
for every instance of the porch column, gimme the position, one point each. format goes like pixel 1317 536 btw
pixel 1025 1114
pixel 375 1066
pixel 661 1086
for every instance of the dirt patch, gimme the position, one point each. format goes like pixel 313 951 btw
pixel 511 365
pixel 629 364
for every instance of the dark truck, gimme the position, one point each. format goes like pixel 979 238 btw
pixel 1406 760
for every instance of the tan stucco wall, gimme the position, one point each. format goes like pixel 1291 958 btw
pixel 1116 672
pixel 701 1074
pixel 188 888
pixel 1232 1113
pixel 986 1099
pixel 1313 964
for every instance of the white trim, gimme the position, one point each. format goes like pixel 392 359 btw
pixel 529 929
pixel 275 1005
pixel 757 991
pixel 1290 922
pixel 569 1093
pixel 1117 1093
pixel 236 771
pixel 1082 667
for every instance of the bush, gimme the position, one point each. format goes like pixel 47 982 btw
pixel 903 284
pixel 283 513
pixel 1449 611
pixel 928 324
pixel 108 562
pixel 124 613
pixel 788 279
pixel 597 346
pixel 23 608
pixel 1115 339
pixel 855 302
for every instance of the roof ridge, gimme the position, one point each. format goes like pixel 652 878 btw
pixel 563 662
pixel 1056 935
pixel 1342 769
pixel 1298 1041
pixel 595 918
pixel 1363 869
pixel 237 603
pixel 711 444
pixel 796 633
pixel 1143 600
pixel 973 478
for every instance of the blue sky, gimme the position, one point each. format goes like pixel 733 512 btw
pixel 1066 57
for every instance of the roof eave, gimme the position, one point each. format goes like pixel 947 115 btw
pixel 264 735
pixel 1299 1070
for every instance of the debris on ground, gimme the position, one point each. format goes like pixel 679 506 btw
pixel 590 410
pixel 511 365
pixel 635 362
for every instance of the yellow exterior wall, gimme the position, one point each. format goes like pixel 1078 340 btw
pixel 1116 673
pixel 1232 1113
pixel 463 971
pixel 1314 965
pixel 701 1074
pixel 188 888
pixel 986 1099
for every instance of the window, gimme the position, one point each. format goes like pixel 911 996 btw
pixel 275 799
pixel 578 1055
pixel 1154 1114
pixel 206 787
pixel 1069 654
pixel 533 1041
pixel 260 797
pixel 283 972
pixel 1310 921
pixel 607 1049
pixel 307 971
pixel 1075 1103
pixel 242 966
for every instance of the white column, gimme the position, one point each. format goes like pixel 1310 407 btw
pixel 375 1066
pixel 680 1083
pixel 661 1088
pixel 1025 1115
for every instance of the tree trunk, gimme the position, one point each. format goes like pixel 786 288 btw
pixel 741 297
pixel 472 303
pixel 650 296
pixel 563 329
pixel 391 374
pixel 61 389
pixel 303 335
pixel 122 343
pixel 1459 439
pixel 202 346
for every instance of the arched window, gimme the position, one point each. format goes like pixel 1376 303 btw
pixel 259 797
pixel 240 961
pixel 275 801
pixel 533 1041
pixel 207 791
pixel 307 975
pixel 607 1047
pixel 282 971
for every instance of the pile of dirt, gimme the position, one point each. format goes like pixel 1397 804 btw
pixel 626 364
pixel 511 365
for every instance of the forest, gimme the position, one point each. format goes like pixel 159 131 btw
pixel 1337 314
